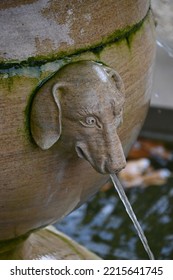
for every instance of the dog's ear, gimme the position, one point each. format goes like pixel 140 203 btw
pixel 116 77
pixel 45 117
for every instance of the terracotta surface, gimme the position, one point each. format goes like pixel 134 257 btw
pixel 39 186
pixel 50 28
pixel 48 244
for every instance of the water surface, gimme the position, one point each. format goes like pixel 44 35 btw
pixel 103 226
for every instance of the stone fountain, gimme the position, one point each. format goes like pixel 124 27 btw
pixel 75 89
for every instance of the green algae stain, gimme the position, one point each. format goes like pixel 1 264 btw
pixel 10 244
pixel 6 84
pixel 43 69
pixel 27 112
pixel 116 37
pixel 68 243
pixel 97 51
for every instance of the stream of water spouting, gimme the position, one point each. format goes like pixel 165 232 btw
pixel 131 214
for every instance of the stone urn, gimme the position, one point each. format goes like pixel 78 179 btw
pixel 75 89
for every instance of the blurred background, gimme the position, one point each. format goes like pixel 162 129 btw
pixel 102 224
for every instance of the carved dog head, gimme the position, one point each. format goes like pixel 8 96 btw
pixel 83 104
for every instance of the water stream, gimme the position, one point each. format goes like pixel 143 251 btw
pixel 131 214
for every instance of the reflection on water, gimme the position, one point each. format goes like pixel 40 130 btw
pixel 103 226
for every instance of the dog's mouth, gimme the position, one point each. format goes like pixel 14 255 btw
pixel 86 155
pixel 99 163
pixel 81 153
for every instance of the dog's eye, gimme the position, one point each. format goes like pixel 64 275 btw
pixel 91 121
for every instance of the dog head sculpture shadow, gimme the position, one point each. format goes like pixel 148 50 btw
pixel 82 106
